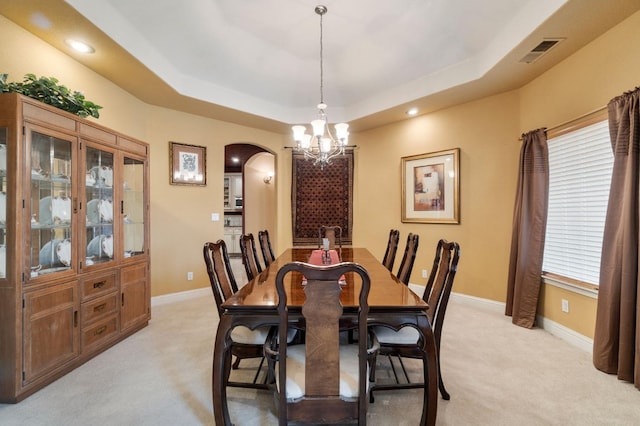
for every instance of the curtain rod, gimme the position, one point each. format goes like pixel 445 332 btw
pixel 581 117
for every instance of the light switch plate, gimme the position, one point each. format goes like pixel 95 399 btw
pixel 215 217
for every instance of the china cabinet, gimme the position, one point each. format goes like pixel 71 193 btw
pixel 74 242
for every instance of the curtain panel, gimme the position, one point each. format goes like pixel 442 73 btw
pixel 529 228
pixel 616 344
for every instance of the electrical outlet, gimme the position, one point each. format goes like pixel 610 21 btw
pixel 215 217
pixel 189 276
pixel 424 273
pixel 565 305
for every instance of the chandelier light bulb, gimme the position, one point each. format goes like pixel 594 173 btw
pixel 342 131
pixel 305 141
pixel 298 133
pixel 325 145
pixel 318 128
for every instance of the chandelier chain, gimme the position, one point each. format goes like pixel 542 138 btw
pixel 321 63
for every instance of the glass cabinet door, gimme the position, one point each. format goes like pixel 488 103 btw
pixel 133 207
pixel 227 202
pixel 3 202
pixel 51 203
pixel 98 202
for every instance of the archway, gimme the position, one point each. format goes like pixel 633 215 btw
pixel 246 166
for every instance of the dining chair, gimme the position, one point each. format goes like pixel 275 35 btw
pixel 333 234
pixel 265 247
pixel 245 343
pixel 409 257
pixel 250 256
pixel 322 381
pixel 392 247
pixel 405 342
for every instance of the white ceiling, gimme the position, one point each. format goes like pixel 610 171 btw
pixel 261 58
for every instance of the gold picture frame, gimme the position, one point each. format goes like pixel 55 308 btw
pixel 431 187
pixel 187 164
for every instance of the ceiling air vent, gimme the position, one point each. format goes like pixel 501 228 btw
pixel 542 48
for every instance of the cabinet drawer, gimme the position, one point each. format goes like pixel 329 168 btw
pixel 97 286
pixel 100 332
pixel 99 308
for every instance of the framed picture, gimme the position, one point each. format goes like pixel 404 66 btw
pixel 187 164
pixel 431 187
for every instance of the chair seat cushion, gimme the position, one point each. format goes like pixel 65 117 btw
pixel 296 369
pixel 245 335
pixel 405 336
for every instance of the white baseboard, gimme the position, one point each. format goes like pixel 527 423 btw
pixel 485 304
pixel 178 297
pixel 568 335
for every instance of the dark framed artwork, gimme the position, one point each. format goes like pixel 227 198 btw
pixel 431 187
pixel 187 164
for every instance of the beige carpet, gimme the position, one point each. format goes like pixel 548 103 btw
pixel 497 374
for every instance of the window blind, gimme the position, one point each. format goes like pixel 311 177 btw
pixel 580 166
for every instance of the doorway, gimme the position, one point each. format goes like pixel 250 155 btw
pixel 250 198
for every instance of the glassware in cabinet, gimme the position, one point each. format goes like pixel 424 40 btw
pixel 98 206
pixel 52 203
pixel 133 206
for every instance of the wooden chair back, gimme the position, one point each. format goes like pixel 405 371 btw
pixel 265 247
pixel 440 283
pixel 333 234
pixel 223 283
pixel 409 257
pixel 250 256
pixel 436 294
pixel 323 313
pixel 392 248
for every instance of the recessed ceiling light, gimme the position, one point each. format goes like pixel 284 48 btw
pixel 412 111
pixel 235 159
pixel 79 46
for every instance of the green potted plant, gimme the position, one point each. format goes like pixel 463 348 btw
pixel 47 90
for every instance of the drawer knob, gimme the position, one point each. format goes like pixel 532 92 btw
pixel 100 330
pixel 100 307
pixel 99 284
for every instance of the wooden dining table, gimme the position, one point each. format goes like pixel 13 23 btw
pixel 391 304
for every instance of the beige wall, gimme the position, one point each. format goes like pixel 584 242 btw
pixel 181 216
pixel 260 202
pixel 583 83
pixel 486 131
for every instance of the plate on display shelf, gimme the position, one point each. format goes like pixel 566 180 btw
pixel 60 179
pixel 46 271
pixel 38 174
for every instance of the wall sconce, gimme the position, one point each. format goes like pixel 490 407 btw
pixel 268 177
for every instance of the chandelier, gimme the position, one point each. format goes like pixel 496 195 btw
pixel 321 146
